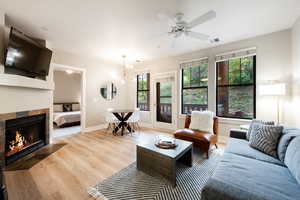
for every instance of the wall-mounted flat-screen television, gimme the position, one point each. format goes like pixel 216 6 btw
pixel 25 56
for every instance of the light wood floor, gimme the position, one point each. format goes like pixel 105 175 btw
pixel 66 174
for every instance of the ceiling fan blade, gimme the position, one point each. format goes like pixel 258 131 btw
pixel 157 36
pixel 167 17
pixel 196 35
pixel 202 19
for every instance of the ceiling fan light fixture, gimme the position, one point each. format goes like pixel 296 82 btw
pixel 179 16
pixel 183 27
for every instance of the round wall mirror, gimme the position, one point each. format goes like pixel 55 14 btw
pixel 108 91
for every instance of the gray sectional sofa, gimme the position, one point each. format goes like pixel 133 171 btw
pixel 248 174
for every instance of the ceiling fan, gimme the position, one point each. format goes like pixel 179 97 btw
pixel 181 27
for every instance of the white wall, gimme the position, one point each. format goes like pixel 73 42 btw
pixel 67 87
pixel 14 99
pixel 97 73
pixel 273 63
pixel 2 22
pixel 295 103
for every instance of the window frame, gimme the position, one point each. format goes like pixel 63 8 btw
pixel 139 90
pixel 237 85
pixel 188 88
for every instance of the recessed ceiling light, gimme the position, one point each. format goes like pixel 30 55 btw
pixel 69 71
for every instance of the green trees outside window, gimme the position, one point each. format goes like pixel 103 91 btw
pixel 143 91
pixel 236 88
pixel 194 92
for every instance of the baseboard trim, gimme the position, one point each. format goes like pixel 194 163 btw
pixel 95 128
pixel 146 125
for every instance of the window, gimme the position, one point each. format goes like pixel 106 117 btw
pixel 194 86
pixel 236 87
pixel 143 91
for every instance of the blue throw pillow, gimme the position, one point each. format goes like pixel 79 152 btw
pixel 292 158
pixel 284 141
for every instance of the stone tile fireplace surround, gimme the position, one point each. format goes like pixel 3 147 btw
pixel 22 118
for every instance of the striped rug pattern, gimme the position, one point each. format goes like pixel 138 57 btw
pixel 129 183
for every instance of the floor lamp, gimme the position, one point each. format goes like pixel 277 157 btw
pixel 273 89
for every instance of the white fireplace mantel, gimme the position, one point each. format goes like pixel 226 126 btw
pixel 25 82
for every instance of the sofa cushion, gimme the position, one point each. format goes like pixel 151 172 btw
pixel 255 121
pixel 241 147
pixel 238 133
pixel 265 138
pixel 288 134
pixel 239 178
pixel 292 158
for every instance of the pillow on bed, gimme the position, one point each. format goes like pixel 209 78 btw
pixel 76 107
pixel 58 108
pixel 67 107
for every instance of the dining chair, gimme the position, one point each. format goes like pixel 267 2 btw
pixel 133 121
pixel 111 120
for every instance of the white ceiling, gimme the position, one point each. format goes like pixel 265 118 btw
pixel 107 29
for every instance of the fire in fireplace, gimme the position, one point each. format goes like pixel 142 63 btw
pixel 17 144
pixel 23 136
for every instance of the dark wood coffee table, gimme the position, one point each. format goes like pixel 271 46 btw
pixel 163 161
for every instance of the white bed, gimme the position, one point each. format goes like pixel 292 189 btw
pixel 62 118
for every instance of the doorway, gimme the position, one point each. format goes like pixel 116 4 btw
pixel 164 101
pixel 165 104
pixel 68 100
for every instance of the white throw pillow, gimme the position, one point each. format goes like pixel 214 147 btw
pixel 202 121
pixel 58 108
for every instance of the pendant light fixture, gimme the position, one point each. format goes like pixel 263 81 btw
pixel 124 69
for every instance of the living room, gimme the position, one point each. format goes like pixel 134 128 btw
pixel 162 84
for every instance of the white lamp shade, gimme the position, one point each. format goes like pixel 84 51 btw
pixel 276 89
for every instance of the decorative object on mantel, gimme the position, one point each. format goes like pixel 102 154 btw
pixel 165 142
pixel 276 89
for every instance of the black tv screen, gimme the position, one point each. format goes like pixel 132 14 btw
pixel 26 56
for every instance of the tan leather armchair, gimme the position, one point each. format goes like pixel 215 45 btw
pixel 203 140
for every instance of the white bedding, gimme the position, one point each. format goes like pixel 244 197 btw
pixel 61 118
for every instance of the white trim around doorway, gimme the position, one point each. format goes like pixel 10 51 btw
pixel 175 95
pixel 82 71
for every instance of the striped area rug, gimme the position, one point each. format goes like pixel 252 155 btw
pixel 129 183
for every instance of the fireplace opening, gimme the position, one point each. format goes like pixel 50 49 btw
pixel 23 136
